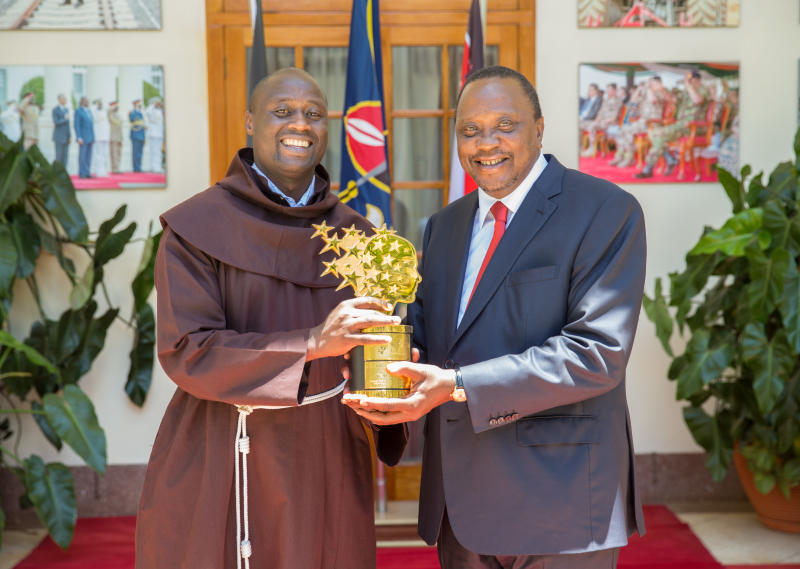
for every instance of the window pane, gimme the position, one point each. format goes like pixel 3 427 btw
pixel 417 149
pixel 455 53
pixel 333 157
pixel 412 209
pixel 328 65
pixel 416 77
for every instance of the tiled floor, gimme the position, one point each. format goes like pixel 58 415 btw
pixel 731 532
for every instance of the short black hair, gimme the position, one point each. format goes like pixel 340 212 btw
pixel 500 72
pixel 261 85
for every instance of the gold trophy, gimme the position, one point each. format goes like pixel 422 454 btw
pixel 383 265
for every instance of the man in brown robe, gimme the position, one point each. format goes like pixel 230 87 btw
pixel 244 318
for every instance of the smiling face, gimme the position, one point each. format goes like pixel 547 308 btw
pixel 288 121
pixel 498 134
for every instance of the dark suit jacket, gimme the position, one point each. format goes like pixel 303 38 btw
pixel 84 124
pixel 540 458
pixel 61 122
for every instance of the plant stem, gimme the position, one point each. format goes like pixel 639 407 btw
pixel 34 286
pixel 12 455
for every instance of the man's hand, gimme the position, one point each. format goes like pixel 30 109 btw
pixel 341 330
pixel 430 386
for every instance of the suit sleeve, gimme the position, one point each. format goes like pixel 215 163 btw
pixel 205 358
pixel 589 355
pixel 59 117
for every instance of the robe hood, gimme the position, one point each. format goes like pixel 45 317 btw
pixel 236 223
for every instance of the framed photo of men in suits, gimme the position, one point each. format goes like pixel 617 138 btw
pixel 658 13
pixel 80 15
pixel 103 123
pixel 656 122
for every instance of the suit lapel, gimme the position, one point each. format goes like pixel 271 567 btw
pixel 457 252
pixel 534 211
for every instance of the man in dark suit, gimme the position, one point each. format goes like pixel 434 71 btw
pixel 526 314
pixel 84 133
pixel 136 118
pixel 61 137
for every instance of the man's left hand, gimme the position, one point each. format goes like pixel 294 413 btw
pixel 430 386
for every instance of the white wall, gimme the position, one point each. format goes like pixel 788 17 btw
pixel 181 48
pixel 767 45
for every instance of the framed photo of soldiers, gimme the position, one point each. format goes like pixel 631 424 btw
pixel 658 13
pixel 658 122
pixel 104 123
pixel 80 15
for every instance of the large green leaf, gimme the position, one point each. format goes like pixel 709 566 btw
pixel 755 190
pixel 767 274
pixel 790 306
pixel 92 340
pixel 658 313
pixel 26 241
pixel 45 426
pixel 684 286
pixel 785 231
pixel 50 488
pixel 110 245
pixel 141 370
pixel 82 290
pixel 707 433
pixel 783 182
pixel 58 195
pixel 9 258
pixel 707 359
pixel 796 147
pixel 14 173
pixel 733 187
pixel 73 418
pixel 6 339
pixel 142 284
pixel 732 238
pixel 770 360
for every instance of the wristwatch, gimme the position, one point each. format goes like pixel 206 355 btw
pixel 458 394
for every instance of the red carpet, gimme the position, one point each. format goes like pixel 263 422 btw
pixel 599 167
pixel 123 181
pixel 107 543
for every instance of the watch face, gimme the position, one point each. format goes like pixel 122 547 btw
pixel 459 395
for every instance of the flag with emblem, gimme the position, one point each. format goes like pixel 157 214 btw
pixel 365 159
pixel 460 182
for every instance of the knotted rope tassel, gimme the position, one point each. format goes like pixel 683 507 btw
pixel 242 446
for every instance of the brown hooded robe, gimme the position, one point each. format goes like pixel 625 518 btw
pixel 238 286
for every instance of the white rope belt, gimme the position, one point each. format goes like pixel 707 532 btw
pixel 242 447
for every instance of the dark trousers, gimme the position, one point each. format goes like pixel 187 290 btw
pixel 62 153
pixel 85 159
pixel 453 555
pixel 138 147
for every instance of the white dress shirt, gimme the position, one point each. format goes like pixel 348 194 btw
pixel 292 202
pixel 483 228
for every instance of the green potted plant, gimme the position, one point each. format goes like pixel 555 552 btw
pixel 40 216
pixel 737 305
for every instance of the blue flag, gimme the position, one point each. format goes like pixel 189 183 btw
pixel 365 159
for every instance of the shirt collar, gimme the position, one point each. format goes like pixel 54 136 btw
pixel 304 199
pixel 513 200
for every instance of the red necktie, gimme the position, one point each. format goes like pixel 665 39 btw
pixel 500 213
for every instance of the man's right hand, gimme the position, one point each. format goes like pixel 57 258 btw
pixel 341 330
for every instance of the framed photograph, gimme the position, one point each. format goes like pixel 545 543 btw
pixel 80 15
pixel 658 122
pixel 658 13
pixel 104 123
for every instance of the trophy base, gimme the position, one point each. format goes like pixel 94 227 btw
pixel 368 375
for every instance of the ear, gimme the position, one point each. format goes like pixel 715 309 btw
pixel 248 122
pixel 539 130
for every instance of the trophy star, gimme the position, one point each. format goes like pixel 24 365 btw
pixel 353 232
pixel 332 244
pixel 330 268
pixel 394 246
pixel 322 230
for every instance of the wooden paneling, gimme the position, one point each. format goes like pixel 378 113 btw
pixel 345 5
pixel 402 481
